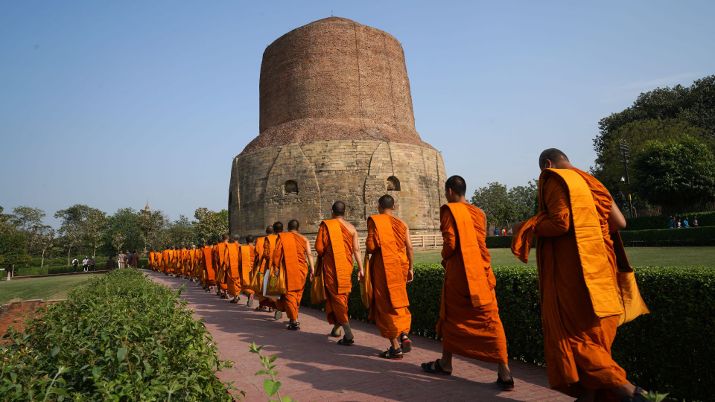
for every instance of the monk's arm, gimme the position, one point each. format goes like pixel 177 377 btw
pixel 449 238
pixel 320 240
pixel 356 250
pixel 371 243
pixel 309 255
pixel 616 220
pixel 410 255
pixel 557 219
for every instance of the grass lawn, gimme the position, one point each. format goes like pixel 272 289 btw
pixel 40 288
pixel 639 256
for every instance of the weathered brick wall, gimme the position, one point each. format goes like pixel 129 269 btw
pixel 355 172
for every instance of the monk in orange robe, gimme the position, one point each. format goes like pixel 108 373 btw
pixel 337 244
pixel 469 322
pixel 293 253
pixel 185 261
pixel 581 305
pixel 164 260
pixel 209 271
pixel 233 279
pixel 246 257
pixel 388 241
pixel 194 255
pixel 150 259
pixel 222 266
pixel 264 263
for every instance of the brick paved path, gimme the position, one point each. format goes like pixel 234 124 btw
pixel 312 367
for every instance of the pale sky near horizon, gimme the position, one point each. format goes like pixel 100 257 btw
pixel 113 104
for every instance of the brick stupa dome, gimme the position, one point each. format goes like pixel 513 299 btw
pixel 336 123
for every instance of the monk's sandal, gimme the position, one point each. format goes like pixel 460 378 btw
pixel 405 343
pixel 505 385
pixel 293 326
pixel 392 353
pixel 278 315
pixel 346 342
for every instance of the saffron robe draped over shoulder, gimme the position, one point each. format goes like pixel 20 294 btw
pixel 386 241
pixel 334 244
pixel 581 303
pixel 246 259
pixel 233 281
pixel 222 261
pixel 469 321
pixel 291 251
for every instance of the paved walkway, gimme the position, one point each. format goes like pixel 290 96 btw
pixel 313 368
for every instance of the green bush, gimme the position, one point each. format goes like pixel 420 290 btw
pixel 669 350
pixel 119 338
pixel 661 222
pixel 700 236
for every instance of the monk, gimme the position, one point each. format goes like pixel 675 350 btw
pixel 246 256
pixel 195 256
pixel 469 322
pixel 222 266
pixel 264 262
pixel 293 253
pixel 388 242
pixel 209 272
pixel 337 244
pixel 233 280
pixel 581 306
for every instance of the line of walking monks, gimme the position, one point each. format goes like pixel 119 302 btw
pixel 587 287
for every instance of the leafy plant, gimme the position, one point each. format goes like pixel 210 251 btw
pixel 271 385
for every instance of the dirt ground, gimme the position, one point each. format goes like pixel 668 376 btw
pixel 16 314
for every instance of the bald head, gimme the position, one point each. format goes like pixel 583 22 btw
pixel 339 208
pixel 293 224
pixel 553 158
pixel 386 202
pixel 278 227
pixel 269 230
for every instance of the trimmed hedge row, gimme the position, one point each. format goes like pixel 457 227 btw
pixel 661 222
pixel 669 350
pixel 700 236
pixel 119 338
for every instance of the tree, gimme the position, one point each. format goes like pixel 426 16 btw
pixel 494 201
pixel 28 220
pixel 13 243
pixel 523 200
pixel 73 219
pixel 676 174
pixel 46 239
pixel 124 230
pixel 152 223
pixel 181 232
pixel 210 225
pixel 664 114
pixel 94 226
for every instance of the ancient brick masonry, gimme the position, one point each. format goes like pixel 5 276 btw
pixel 336 123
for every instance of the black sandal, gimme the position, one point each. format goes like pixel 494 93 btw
pixel 293 326
pixel 506 385
pixel 392 354
pixel 405 343
pixel 346 342
pixel 434 368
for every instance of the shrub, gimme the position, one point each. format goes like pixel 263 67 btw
pixel 498 241
pixel 700 236
pixel 119 338
pixel 661 222
pixel 669 350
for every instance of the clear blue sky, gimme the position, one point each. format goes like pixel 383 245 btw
pixel 113 104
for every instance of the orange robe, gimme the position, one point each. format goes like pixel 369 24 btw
pixel 185 261
pixel 580 303
pixel 209 266
pixel 265 264
pixel 469 322
pixel 334 244
pixel 246 258
pixel 233 280
pixel 386 241
pixel 291 250
pixel 222 264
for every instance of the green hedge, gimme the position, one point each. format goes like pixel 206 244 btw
pixel 669 350
pixel 119 338
pixel 701 236
pixel 661 222
pixel 499 241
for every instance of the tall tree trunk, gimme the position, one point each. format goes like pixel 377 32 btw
pixel 42 261
pixel 69 252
